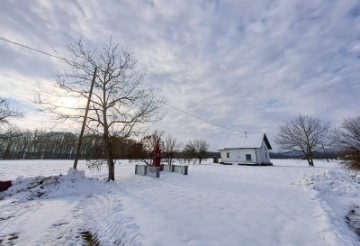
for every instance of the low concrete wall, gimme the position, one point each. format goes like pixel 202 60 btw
pixel 147 171
pixel 176 169
pixel 167 168
pixel 140 170
pixel 181 169
pixel 153 171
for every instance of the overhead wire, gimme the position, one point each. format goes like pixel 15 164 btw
pixel 63 59
pixel 199 118
pixel 33 49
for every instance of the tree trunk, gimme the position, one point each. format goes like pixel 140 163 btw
pixel 111 169
pixel 308 155
pixel 109 155
pixel 110 158
pixel 310 160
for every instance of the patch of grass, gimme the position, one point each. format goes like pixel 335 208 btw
pixel 89 239
pixel 9 239
pixel 352 219
pixel 13 237
pixel 5 218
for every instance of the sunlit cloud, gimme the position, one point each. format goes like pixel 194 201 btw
pixel 246 65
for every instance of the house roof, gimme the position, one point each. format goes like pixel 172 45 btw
pixel 251 141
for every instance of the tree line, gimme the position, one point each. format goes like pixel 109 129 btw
pixel 38 144
pixel 16 144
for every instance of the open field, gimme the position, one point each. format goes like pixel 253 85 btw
pixel 285 204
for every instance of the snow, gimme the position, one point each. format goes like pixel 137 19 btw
pixel 285 204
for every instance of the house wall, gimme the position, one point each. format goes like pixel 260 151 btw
pixel 238 155
pixel 263 154
pixel 258 155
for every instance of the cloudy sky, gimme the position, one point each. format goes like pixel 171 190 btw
pixel 247 65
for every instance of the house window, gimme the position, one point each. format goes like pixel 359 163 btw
pixel 227 155
pixel 248 157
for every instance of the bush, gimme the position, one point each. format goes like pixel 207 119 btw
pixel 351 160
pixel 348 139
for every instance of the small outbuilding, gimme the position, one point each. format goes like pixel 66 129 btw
pixel 248 149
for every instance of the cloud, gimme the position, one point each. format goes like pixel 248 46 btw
pixel 247 65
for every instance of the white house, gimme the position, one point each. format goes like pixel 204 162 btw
pixel 248 149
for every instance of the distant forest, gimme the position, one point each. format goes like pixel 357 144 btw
pixel 58 145
pixel 299 155
pixel 62 145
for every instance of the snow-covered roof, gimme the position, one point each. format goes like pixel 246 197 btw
pixel 248 141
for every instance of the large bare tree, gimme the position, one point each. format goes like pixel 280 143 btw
pixel 348 139
pixel 305 134
pixel 120 100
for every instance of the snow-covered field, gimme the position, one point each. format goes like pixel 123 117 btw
pixel 285 204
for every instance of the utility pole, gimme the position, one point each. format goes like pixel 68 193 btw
pixel 84 121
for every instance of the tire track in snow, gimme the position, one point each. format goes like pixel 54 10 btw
pixel 10 212
pixel 18 221
pixel 103 217
pixel 55 228
pixel 65 229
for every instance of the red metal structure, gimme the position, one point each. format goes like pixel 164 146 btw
pixel 157 155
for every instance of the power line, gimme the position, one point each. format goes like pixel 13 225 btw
pixel 33 49
pixel 199 118
pixel 63 59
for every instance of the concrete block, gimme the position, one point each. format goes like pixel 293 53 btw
pixel 168 168
pixel 180 169
pixel 140 170
pixel 153 171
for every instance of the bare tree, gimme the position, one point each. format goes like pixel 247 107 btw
pixel 171 147
pixel 196 149
pixel 348 139
pixel 148 143
pixel 305 134
pixel 120 101
pixel 7 113
pixel 7 132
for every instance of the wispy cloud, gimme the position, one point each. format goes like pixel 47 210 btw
pixel 244 64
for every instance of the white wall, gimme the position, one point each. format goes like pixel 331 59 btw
pixel 238 155
pixel 263 154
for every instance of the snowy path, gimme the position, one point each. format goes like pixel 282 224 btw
pixel 214 205
pixel 62 211
pixel 37 223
